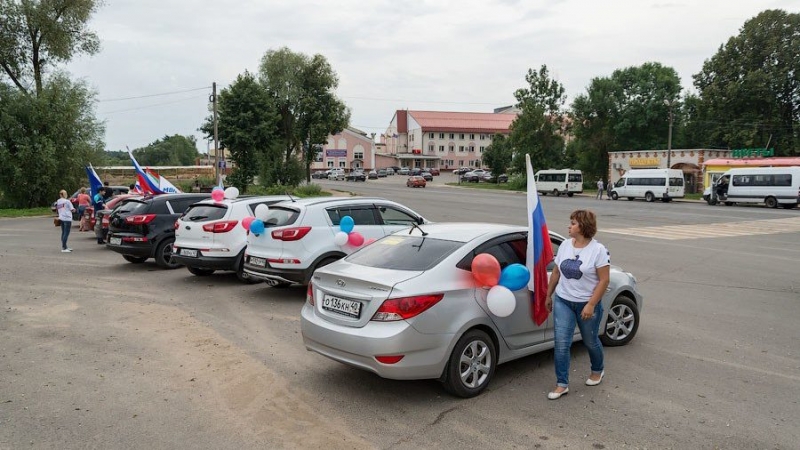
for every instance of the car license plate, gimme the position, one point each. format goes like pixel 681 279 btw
pixel 260 262
pixel 115 241
pixel 188 252
pixel 338 305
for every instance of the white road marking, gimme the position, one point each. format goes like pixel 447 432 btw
pixel 713 230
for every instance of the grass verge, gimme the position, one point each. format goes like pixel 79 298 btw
pixel 43 211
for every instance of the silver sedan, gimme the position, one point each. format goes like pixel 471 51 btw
pixel 407 307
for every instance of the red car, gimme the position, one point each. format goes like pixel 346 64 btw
pixel 415 181
pixel 434 171
pixel 101 229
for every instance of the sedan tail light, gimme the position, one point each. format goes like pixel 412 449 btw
pixel 291 234
pixel 310 294
pixel 405 307
pixel 141 219
pixel 220 227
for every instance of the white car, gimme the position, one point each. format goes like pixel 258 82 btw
pixel 299 235
pixel 209 236
pixel 336 174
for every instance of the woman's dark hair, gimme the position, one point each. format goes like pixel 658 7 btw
pixel 587 221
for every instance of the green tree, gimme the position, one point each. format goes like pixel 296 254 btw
pixel 247 127
pixel 175 150
pixel 45 141
pixel 750 89
pixel 301 88
pixel 539 128
pixel 497 156
pixel 626 111
pixel 38 34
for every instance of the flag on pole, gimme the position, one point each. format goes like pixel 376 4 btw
pixel 94 182
pixel 163 184
pixel 148 186
pixel 540 250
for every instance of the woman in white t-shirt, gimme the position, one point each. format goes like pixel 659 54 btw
pixel 579 280
pixel 64 208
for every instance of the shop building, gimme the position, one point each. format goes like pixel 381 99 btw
pixel 690 161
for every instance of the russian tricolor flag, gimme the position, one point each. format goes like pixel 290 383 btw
pixel 540 251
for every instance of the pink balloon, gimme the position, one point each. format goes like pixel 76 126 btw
pixel 218 195
pixel 355 239
pixel 247 221
pixel 369 241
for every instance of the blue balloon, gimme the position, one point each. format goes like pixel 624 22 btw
pixel 257 227
pixel 346 224
pixel 514 277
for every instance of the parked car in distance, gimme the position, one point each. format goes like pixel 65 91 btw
pixel 356 175
pixel 407 307
pixel 382 173
pixel 320 174
pixel 489 178
pixel 299 235
pixel 473 176
pixel 336 174
pixel 209 236
pixel 415 181
pixel 461 170
pixel 415 171
pixel 434 171
pixel 427 176
pixel 390 171
pixel 145 228
pixel 404 171
pixel 99 221
pixel 373 175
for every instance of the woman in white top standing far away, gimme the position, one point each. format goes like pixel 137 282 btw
pixel 579 280
pixel 64 208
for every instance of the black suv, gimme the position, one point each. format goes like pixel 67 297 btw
pixel 145 227
pixel 356 175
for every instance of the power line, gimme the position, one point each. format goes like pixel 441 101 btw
pixel 421 101
pixel 153 95
pixel 152 106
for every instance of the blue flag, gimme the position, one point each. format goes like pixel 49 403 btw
pixel 94 182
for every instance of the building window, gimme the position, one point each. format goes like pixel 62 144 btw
pixel 330 164
pixel 452 148
pixel 472 148
pixel 430 148
pixel 483 137
pixel 441 135
pixel 342 164
pixel 452 136
pixel 472 136
pixel 358 155
pixel 461 148
pixel 482 148
pixel 430 135
pixel 441 148
pixel 462 135
pixel 489 136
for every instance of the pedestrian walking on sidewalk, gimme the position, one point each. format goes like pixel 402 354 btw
pixel 600 189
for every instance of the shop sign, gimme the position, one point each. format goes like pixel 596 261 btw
pixel 752 152
pixel 638 162
pixel 335 153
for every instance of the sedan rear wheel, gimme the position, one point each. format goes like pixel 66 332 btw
pixel 622 323
pixel 471 365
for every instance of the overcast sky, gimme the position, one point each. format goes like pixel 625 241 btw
pixel 441 55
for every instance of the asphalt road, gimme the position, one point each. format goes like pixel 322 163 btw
pixel 99 353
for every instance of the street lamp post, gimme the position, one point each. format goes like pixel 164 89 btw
pixel 669 103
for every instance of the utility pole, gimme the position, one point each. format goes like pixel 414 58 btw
pixel 217 168
pixel 669 103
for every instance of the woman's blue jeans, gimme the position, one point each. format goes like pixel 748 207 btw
pixel 66 226
pixel 566 315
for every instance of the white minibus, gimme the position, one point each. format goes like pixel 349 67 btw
pixel 650 184
pixel 771 186
pixel 557 182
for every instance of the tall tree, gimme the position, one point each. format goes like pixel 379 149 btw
pixel 45 141
pixel 539 128
pixel 35 35
pixel 750 89
pixel 626 111
pixel 302 90
pixel 497 156
pixel 247 126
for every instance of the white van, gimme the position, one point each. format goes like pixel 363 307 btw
pixel 650 184
pixel 557 182
pixel 772 186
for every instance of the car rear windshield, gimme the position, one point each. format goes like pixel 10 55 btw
pixel 133 207
pixel 404 253
pixel 203 213
pixel 278 217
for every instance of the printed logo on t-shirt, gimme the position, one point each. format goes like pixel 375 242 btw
pixel 571 268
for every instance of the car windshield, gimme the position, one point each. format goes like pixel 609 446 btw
pixel 400 252
pixel 278 217
pixel 133 207
pixel 204 212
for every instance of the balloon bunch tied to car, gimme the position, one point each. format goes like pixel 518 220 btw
pixel 486 271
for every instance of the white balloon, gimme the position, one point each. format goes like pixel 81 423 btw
pixel 501 301
pixel 261 211
pixel 232 192
pixel 340 238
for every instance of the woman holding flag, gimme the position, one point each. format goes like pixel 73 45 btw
pixel 579 279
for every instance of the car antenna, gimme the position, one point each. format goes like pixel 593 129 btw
pixel 414 225
pixel 290 196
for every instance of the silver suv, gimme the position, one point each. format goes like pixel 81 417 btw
pixel 299 235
